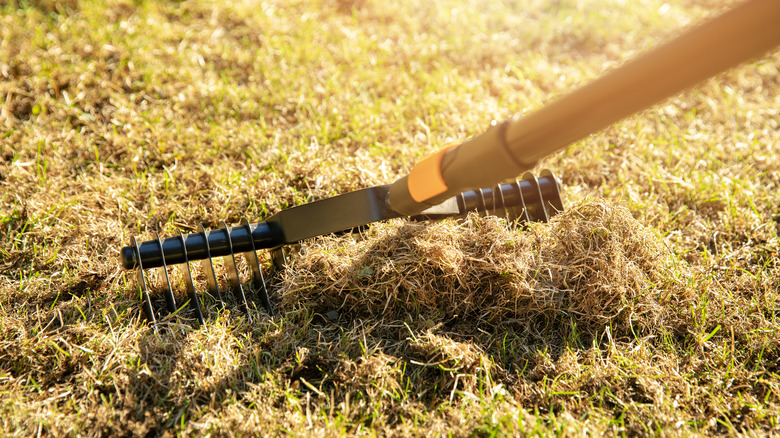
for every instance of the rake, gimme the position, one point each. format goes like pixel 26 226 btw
pixel 520 201
pixel 446 183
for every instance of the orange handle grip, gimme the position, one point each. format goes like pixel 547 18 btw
pixel 425 180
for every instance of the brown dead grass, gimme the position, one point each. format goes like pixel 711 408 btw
pixel 593 267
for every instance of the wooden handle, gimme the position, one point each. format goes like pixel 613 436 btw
pixel 742 33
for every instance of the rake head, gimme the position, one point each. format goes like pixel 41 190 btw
pixel 520 201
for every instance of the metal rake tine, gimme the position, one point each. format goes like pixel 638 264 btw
pixel 482 207
pixel 208 268
pixel 461 201
pixel 189 284
pixel 257 274
pixel 503 201
pixel 278 260
pixel 552 196
pixel 235 279
pixel 537 208
pixel 170 300
pixel 140 279
pixel 523 216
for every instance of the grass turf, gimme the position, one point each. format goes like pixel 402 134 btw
pixel 649 307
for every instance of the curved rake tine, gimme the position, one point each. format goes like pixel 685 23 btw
pixel 536 206
pixel 258 282
pixel 189 284
pixel 277 258
pixel 503 201
pixel 482 206
pixel 208 268
pixel 523 216
pixel 235 280
pixel 140 279
pixel 552 194
pixel 170 300
pixel 461 201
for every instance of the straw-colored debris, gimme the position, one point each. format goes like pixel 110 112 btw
pixel 592 267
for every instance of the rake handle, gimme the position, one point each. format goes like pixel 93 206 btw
pixel 746 31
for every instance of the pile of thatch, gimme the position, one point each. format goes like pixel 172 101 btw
pixel 592 267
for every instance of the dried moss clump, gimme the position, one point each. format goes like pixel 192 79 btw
pixel 591 267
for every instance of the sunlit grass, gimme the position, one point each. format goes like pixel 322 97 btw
pixel 122 118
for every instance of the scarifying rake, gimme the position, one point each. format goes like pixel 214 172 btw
pixel 520 201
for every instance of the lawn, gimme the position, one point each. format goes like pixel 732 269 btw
pixel 650 306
